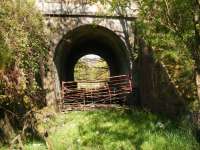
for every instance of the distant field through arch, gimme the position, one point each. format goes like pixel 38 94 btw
pixel 91 68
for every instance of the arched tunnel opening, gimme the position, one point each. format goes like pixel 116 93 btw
pixel 100 41
pixel 91 39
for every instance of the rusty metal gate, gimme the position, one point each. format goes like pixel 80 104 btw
pixel 112 91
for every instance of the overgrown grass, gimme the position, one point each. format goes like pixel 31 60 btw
pixel 35 145
pixel 30 145
pixel 115 129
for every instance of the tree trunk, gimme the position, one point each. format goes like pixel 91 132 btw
pixel 198 83
pixel 196 53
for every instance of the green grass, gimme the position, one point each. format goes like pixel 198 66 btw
pixel 35 145
pixel 118 129
pixel 115 129
pixel 31 145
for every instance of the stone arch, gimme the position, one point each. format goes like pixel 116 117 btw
pixel 91 39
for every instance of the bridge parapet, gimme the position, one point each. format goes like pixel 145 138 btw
pixel 83 7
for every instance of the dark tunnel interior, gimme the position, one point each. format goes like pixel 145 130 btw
pixel 90 39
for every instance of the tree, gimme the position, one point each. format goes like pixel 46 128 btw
pixel 168 27
pixel 196 53
pixel 22 46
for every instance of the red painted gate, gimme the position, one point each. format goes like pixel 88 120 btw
pixel 112 91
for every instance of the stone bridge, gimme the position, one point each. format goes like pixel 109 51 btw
pixel 78 27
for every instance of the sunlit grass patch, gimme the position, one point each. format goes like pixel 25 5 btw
pixel 35 145
pixel 118 129
pixel 30 145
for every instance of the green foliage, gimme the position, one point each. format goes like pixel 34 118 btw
pixel 22 47
pixel 118 129
pixel 168 26
pixel 22 33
